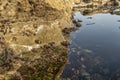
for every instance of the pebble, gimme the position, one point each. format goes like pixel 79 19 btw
pixel 65 43
pixel 37 41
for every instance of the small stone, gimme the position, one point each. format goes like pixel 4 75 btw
pixel 83 66
pixel 73 69
pixel 65 43
pixel 66 30
pixel 79 20
pixel 82 59
pixel 37 41
pixel 85 74
pixel 78 72
pixel 52 44
pixel 73 29
pixel 89 18
pixel 74 21
pixel 78 24
pixel 46 46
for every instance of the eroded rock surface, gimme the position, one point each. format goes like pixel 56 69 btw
pixel 30 38
pixel 31 33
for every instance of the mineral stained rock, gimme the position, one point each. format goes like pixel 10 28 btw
pixel 30 38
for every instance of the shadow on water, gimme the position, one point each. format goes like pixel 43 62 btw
pixel 94 52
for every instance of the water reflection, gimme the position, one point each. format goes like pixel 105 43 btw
pixel 94 53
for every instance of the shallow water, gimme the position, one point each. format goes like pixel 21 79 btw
pixel 94 52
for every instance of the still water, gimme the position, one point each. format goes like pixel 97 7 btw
pixel 94 53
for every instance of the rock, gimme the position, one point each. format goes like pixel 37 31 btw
pixel 37 41
pixel 65 43
pixel 83 66
pixel 78 24
pixel 66 30
pixel 89 18
pixel 79 20
pixel 52 44
pixel 85 74
pixel 74 21
pixel 82 59
pixel 21 18
pixel 47 46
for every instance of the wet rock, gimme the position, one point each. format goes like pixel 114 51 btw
pixel 78 24
pixel 74 21
pixel 73 29
pixel 82 59
pixel 87 51
pixel 79 20
pixel 68 30
pixel 86 12
pixel 89 18
pixel 83 66
pixel 65 43
pixel 84 73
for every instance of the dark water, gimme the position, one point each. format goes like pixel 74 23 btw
pixel 94 53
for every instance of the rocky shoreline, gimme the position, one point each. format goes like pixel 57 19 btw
pixel 34 38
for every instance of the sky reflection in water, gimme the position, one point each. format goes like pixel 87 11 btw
pixel 95 49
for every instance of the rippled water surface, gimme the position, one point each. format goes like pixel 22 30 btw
pixel 94 53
